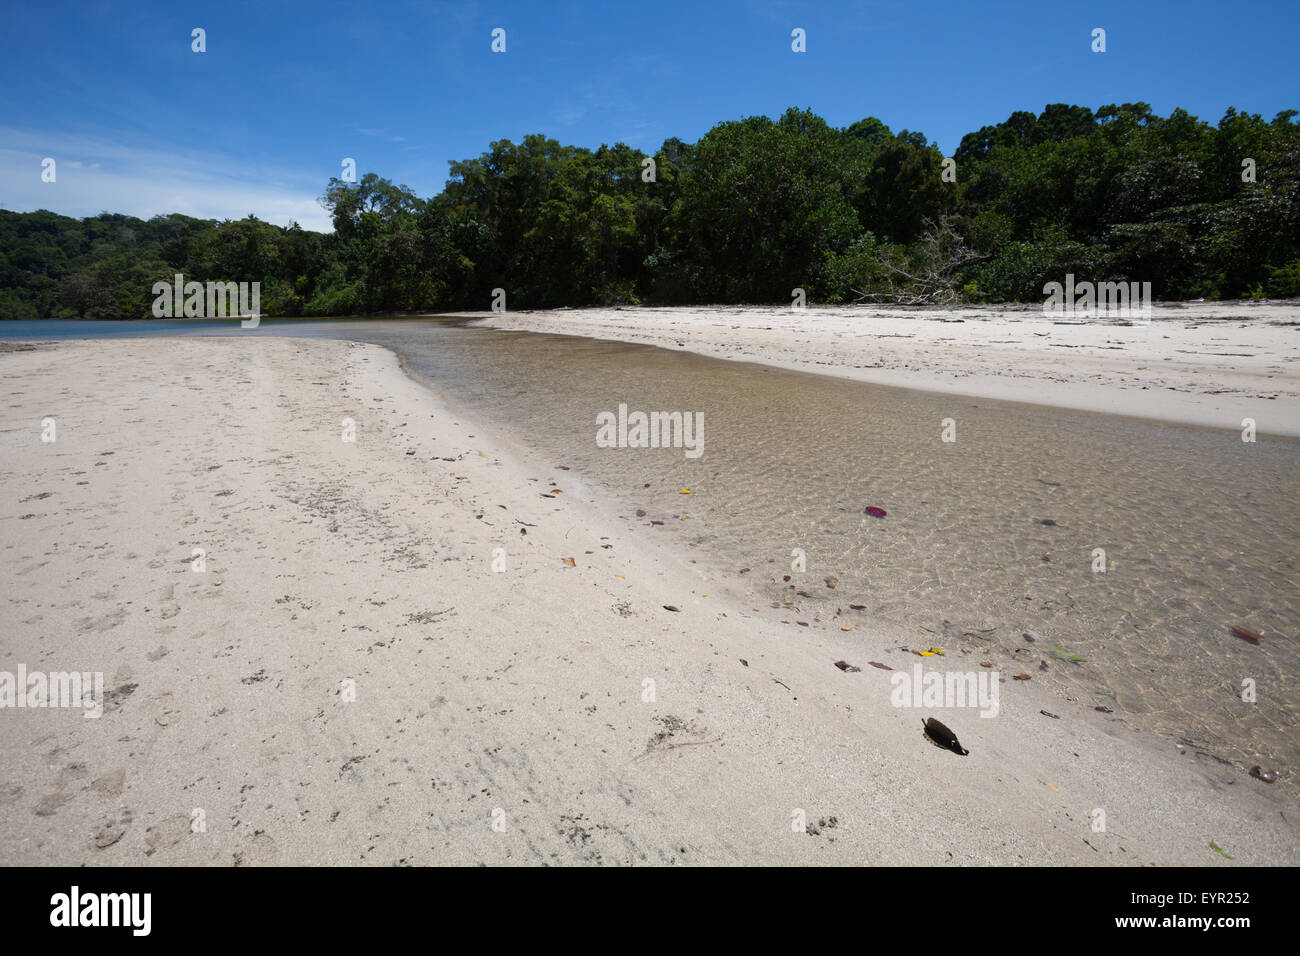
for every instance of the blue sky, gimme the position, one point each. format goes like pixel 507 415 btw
pixel 139 123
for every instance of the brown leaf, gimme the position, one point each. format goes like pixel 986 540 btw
pixel 883 667
pixel 1246 635
pixel 846 666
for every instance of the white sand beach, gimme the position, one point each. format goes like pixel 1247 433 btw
pixel 566 704
pixel 1210 364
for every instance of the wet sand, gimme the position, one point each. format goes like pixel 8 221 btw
pixel 522 692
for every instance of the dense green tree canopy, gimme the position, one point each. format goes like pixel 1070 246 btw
pixel 754 209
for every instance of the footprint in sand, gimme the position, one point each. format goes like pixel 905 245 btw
pixel 260 851
pixel 48 805
pixel 69 776
pixel 105 623
pixel 113 699
pixel 112 828
pixel 168 832
pixel 110 784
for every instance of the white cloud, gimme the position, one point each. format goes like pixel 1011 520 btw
pixel 98 176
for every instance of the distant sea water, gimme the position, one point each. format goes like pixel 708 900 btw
pixel 985 539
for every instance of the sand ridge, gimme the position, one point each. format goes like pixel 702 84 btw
pixel 1209 364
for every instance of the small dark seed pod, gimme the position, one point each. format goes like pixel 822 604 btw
pixel 943 736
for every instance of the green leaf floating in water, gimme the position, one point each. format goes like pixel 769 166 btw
pixel 1219 850
pixel 1060 651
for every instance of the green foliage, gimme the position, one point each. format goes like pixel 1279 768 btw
pixel 1284 281
pixel 753 210
pixel 856 268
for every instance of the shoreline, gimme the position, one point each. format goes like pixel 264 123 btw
pixel 476 690
pixel 995 353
